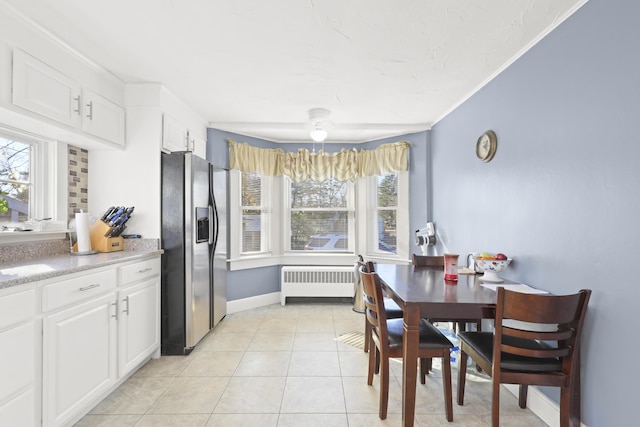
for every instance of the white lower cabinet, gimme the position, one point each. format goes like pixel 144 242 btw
pixel 19 355
pixel 138 331
pixel 98 326
pixel 79 357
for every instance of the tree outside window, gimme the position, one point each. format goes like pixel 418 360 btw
pixel 15 180
pixel 319 215
pixel 387 211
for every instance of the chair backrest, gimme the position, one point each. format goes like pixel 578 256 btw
pixel 374 301
pixel 554 319
pixel 369 265
pixel 427 260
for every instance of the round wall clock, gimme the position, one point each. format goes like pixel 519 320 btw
pixel 486 146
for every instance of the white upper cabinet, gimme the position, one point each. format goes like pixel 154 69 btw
pixel 102 118
pixel 178 137
pixel 41 89
pixel 175 135
pixel 198 145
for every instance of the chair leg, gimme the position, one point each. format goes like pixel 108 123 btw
pixel 495 403
pixel 372 364
pixel 446 385
pixel 570 405
pixel 377 365
pixel 367 333
pixel 522 398
pixel 384 387
pixel 462 376
pixel 478 329
pixel 424 369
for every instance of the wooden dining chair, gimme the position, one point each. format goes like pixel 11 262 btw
pixel 543 351
pixel 386 336
pixel 392 310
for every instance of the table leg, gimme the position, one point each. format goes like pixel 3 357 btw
pixel 410 340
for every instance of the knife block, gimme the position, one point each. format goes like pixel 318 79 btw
pixel 99 240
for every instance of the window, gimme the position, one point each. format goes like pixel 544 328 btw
pixel 16 159
pixel 387 213
pixel 320 215
pixel 254 214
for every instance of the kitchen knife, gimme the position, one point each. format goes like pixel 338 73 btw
pixel 107 213
pixel 114 218
pixel 117 230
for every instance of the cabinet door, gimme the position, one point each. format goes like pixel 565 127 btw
pixel 19 356
pixel 198 145
pixel 139 323
pixel 102 118
pixel 17 370
pixel 79 358
pixel 43 90
pixel 174 135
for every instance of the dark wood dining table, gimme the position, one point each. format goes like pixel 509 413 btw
pixel 423 292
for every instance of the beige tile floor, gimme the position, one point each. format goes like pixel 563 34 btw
pixel 282 367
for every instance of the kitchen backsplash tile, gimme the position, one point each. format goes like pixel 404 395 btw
pixel 78 180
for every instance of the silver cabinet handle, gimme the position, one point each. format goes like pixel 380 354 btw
pixel 86 288
pixel 126 301
pixel 90 106
pixel 144 270
pixel 115 309
pixel 77 100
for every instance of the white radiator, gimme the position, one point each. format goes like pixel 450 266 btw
pixel 316 281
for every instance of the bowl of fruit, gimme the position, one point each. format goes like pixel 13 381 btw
pixel 491 265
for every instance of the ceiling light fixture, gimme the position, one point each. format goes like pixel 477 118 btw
pixel 318 134
pixel 318 117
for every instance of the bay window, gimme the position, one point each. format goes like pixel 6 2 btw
pixel 304 207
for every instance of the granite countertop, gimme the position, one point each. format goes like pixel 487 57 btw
pixel 15 273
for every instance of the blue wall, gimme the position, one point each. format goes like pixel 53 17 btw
pixel 561 195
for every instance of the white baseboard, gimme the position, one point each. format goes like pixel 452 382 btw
pixel 540 404
pixel 253 302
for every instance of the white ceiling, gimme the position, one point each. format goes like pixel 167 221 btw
pixel 255 67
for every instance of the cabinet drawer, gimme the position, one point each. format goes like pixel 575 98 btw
pixel 138 271
pixel 75 289
pixel 17 307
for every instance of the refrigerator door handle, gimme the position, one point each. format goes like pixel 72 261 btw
pixel 217 224
pixel 210 225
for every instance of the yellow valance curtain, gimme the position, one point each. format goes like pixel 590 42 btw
pixel 300 166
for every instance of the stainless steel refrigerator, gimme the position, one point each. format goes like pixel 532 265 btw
pixel 194 242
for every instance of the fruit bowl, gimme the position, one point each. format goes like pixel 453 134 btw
pixel 491 268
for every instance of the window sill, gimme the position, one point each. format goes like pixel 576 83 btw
pixel 290 258
pixel 30 236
